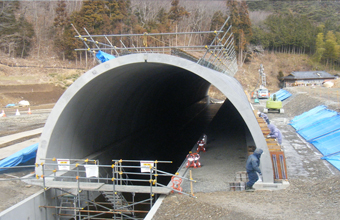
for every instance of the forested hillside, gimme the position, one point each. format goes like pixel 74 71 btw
pixel 42 29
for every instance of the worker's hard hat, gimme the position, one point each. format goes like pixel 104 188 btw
pixel 258 112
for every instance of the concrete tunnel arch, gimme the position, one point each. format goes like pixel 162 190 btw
pixel 115 99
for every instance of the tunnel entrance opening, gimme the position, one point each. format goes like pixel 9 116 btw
pixel 137 107
pixel 142 111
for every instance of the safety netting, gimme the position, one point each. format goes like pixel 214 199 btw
pixel 19 157
pixel 321 127
pixel 103 57
pixel 282 95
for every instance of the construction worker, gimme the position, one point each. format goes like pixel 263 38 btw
pixel 264 116
pixel 275 133
pixel 253 167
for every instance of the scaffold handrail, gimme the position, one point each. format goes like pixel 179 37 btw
pixel 222 56
pixel 75 180
pixel 146 33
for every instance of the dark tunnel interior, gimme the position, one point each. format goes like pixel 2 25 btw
pixel 142 111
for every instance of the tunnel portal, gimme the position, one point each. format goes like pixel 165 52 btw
pixel 138 106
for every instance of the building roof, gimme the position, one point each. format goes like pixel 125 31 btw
pixel 310 75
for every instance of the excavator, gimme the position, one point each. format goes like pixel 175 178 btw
pixel 273 105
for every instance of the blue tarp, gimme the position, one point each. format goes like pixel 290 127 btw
pixel 334 160
pixel 311 119
pixel 322 127
pixel 103 57
pixel 21 156
pixel 306 114
pixel 282 95
pixel 328 144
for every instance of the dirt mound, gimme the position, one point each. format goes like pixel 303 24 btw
pixel 36 94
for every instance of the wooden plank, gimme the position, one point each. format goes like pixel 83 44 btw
pixel 105 187
pixel 272 144
pixel 271 140
pixel 136 189
pixel 73 185
pixel 274 149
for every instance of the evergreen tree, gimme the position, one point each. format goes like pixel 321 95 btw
pixel 290 34
pixel 177 12
pixel 241 25
pixel 15 35
pixel 280 77
pixel 217 21
pixel 163 21
pixel 25 34
pixel 60 23
pixel 98 17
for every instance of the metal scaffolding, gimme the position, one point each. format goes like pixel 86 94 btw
pixel 73 180
pixel 219 54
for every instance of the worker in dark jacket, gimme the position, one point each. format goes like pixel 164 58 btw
pixel 253 167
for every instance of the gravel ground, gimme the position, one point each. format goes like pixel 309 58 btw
pixel 314 190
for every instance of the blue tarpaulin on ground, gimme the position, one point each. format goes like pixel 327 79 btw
pixel 322 127
pixel 311 119
pixel 21 156
pixel 103 57
pixel 328 144
pixel 282 95
pixel 306 114
pixel 334 160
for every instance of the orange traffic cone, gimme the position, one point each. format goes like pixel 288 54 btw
pixel 29 111
pixel 17 113
pixel 3 114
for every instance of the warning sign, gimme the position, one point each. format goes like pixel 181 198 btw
pixel 63 164
pixel 145 166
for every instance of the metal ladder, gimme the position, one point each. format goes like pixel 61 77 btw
pixel 67 201
pixel 117 200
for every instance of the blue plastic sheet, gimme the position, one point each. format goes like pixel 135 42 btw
pixel 329 143
pixel 282 95
pixel 306 114
pixel 320 128
pixel 21 156
pixel 103 57
pixel 334 160
pixel 311 119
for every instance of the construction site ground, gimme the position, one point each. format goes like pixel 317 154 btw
pixel 314 190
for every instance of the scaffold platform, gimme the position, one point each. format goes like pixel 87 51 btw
pixel 104 187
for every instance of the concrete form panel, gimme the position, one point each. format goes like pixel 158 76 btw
pixel 29 208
